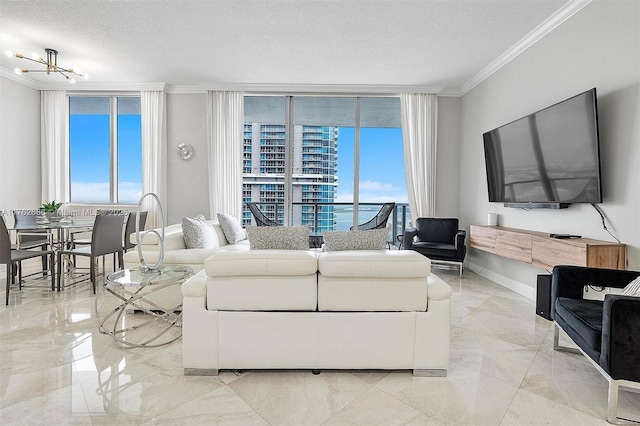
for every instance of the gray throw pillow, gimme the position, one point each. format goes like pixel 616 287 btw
pixel 232 228
pixel 197 233
pixel 278 237
pixel 633 288
pixel 373 239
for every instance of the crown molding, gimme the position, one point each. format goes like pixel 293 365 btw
pixel 103 87
pixel 564 13
pixel 18 78
pixel 322 88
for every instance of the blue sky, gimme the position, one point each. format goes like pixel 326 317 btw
pixel 89 155
pixel 381 161
pixel 381 165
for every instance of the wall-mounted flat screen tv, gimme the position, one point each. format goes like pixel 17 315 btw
pixel 550 157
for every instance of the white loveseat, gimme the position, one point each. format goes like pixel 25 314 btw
pixel 286 309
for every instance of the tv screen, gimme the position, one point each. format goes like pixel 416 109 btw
pixel 550 156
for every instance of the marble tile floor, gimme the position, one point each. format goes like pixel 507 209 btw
pixel 56 368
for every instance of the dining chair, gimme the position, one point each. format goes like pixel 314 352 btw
pixel 10 257
pixel 106 238
pixel 130 229
pixel 31 238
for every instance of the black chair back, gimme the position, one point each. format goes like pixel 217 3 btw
pixel 261 219
pixel 437 230
pixel 379 221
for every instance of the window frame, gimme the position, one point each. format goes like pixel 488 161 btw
pixel 113 143
pixel 289 100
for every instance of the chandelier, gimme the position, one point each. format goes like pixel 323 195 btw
pixel 51 64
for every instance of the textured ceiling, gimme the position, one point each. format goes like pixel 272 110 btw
pixel 425 43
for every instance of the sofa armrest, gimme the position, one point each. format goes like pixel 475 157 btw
pixel 196 286
pixel 437 289
pixel 620 350
pixel 407 240
pixel 459 239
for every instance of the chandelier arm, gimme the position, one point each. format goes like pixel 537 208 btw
pixel 40 61
pixel 51 65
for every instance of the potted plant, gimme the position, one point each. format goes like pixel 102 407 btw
pixel 51 212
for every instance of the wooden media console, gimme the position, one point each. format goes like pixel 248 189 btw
pixel 539 249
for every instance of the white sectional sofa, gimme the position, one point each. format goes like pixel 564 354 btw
pixel 286 309
pixel 175 249
pixel 177 253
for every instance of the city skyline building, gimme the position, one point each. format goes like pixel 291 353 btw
pixel 314 174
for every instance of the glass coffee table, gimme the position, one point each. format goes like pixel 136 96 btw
pixel 140 319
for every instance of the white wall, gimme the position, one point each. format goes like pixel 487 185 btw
pixel 598 47
pixel 19 145
pixel 188 193
pixel 448 157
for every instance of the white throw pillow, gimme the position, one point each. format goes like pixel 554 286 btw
pixel 232 228
pixel 278 237
pixel 633 288
pixel 373 239
pixel 197 233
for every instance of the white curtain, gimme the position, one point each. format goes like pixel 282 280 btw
pixel 419 139
pixel 154 153
pixel 54 157
pixel 225 124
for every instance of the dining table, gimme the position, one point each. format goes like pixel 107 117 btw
pixel 59 230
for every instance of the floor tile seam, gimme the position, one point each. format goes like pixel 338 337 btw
pixel 247 402
pixel 564 405
pixel 348 404
pixel 519 388
pixel 157 415
pixel 407 404
pixel 560 402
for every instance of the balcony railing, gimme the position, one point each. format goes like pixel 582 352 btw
pixel 322 217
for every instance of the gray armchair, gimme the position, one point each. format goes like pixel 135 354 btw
pixel 607 332
pixel 439 239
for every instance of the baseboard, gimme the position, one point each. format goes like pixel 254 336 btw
pixel 526 290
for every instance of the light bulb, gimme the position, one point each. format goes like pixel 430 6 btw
pixel 8 53
pixel 71 80
pixel 17 71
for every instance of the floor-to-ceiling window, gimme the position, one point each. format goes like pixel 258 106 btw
pixel 323 161
pixel 105 149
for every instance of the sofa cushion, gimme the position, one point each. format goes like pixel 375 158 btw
pixel 436 251
pixel 262 293
pixel 374 280
pixel 278 237
pixel 582 321
pixel 276 280
pixel 236 263
pixel 374 263
pixel 232 228
pixel 373 239
pixel 197 233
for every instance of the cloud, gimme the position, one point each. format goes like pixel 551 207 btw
pixel 129 192
pixel 372 185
